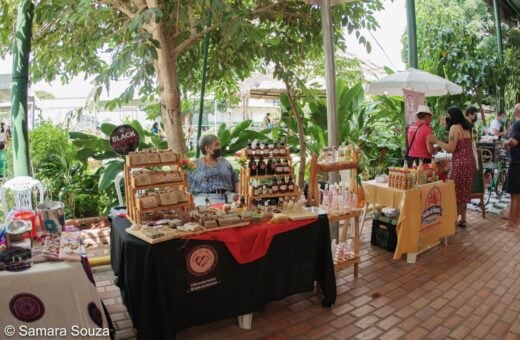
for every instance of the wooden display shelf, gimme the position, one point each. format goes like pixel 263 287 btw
pixel 270 176
pixel 285 194
pixel 167 207
pixel 345 264
pixel 337 166
pixel 152 165
pixel 159 185
pixel 345 217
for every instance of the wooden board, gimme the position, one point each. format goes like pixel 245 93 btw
pixel 175 233
pixel 300 215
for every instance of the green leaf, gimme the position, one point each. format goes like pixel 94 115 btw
pixel 109 174
pixel 107 128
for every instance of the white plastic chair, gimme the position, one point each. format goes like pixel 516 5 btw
pixel 22 188
pixel 117 182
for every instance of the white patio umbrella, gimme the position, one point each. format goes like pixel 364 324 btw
pixel 413 80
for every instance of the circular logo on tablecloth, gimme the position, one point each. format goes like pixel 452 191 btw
pixel 124 139
pixel 201 260
pixel 26 307
pixel 95 314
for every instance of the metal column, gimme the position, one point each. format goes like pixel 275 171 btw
pixel 412 34
pixel 21 51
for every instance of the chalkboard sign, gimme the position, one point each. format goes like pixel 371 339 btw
pixel 124 139
pixel 478 180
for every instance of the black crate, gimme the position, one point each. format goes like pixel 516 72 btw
pixel 383 235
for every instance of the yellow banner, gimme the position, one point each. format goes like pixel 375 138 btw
pixel 432 216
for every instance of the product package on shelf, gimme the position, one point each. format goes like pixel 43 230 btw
pixel 51 246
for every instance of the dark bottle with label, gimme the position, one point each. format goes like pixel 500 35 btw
pixel 276 150
pixel 258 150
pixel 242 202
pixel 286 167
pixel 274 186
pixel 252 167
pixel 282 188
pixel 290 185
pixel 283 150
pixel 249 151
pixel 279 167
pixel 271 167
pixel 261 170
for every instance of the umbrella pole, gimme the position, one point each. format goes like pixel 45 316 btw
pixel 330 81
pixel 412 34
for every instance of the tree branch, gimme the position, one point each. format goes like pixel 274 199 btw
pixel 192 40
pixel 120 6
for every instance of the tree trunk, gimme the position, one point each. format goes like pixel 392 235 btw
pixel 301 137
pixel 169 90
pixel 479 103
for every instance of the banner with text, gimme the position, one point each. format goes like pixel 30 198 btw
pixel 412 100
pixel 431 216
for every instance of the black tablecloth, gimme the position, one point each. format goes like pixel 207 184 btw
pixel 153 279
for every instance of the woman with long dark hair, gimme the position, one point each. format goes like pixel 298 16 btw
pixel 463 162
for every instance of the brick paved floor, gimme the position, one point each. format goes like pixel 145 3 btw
pixel 469 289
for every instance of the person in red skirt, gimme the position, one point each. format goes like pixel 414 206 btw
pixel 463 162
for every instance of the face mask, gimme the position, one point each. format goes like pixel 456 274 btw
pixel 216 153
pixel 474 120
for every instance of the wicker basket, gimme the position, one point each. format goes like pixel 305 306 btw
pixel 141 179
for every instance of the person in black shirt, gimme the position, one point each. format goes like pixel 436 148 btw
pixel 513 174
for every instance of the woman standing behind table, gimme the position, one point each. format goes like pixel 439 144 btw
pixel 513 173
pixel 213 180
pixel 463 162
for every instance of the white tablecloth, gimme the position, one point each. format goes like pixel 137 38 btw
pixel 57 295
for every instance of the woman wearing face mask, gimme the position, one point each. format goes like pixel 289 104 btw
pixel 463 162
pixel 213 180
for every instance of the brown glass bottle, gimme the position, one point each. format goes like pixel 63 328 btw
pixel 290 185
pixel 282 188
pixel 279 167
pixel 252 167
pixel 261 170
pixel 274 186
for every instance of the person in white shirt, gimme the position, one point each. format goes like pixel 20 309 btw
pixel 496 128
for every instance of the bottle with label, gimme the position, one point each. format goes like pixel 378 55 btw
pixel 286 167
pixel 420 173
pixel 271 165
pixel 276 150
pixel 258 151
pixel 252 167
pixel 290 185
pixel 249 151
pixel 282 188
pixel 274 186
pixel 261 170
pixel 279 167
pixel 283 150
pixel 242 202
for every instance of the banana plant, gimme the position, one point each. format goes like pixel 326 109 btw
pixel 232 141
pixel 98 148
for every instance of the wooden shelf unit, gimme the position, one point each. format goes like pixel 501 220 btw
pixel 345 217
pixel 245 179
pixel 134 211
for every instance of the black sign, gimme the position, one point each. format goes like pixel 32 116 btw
pixel 124 139
pixel 201 265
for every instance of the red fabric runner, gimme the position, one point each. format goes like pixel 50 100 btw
pixel 250 243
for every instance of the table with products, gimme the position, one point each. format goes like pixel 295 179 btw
pixel 181 283
pixel 427 213
pixel 57 298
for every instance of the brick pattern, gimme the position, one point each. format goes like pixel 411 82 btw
pixel 467 290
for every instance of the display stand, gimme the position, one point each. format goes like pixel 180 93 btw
pixel 246 178
pixel 135 210
pixel 314 200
